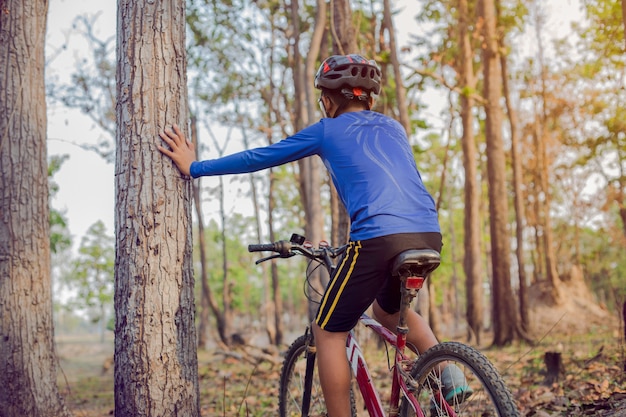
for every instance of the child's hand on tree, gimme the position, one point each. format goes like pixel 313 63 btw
pixel 181 151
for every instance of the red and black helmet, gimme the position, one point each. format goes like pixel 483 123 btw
pixel 339 71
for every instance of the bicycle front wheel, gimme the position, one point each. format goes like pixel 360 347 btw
pixel 293 384
pixel 483 393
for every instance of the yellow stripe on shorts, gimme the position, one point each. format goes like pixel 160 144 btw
pixel 357 246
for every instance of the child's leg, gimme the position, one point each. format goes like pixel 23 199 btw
pixel 420 335
pixel 333 370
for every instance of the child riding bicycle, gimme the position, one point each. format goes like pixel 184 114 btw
pixel 371 163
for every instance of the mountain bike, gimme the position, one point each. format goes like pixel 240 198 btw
pixel 416 384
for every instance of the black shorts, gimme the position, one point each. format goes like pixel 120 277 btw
pixel 363 275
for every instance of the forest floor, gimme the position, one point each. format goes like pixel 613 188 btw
pixel 238 383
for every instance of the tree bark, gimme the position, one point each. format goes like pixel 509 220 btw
pixel 344 42
pixel 156 369
pixel 309 168
pixel 342 29
pixel 395 63
pixel 518 197
pixel 504 307
pixel 472 257
pixel 207 301
pixel 543 161
pixel 28 361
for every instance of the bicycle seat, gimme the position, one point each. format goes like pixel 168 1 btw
pixel 415 262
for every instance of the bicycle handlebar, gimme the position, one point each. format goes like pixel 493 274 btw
pixel 298 246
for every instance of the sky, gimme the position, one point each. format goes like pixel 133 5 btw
pixel 86 180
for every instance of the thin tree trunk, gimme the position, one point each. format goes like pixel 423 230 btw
pixel 310 178
pixel 276 293
pixel 269 306
pixel 156 366
pixel 395 63
pixel 472 256
pixel 544 173
pixel 434 318
pixel 206 298
pixel 518 198
pixel 504 317
pixel 28 360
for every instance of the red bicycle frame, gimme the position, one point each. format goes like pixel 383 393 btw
pixel 399 387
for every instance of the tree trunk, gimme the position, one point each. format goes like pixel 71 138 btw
pixel 207 302
pixel 504 317
pixel 543 160
pixel 269 306
pixel 395 63
pixel 309 168
pixel 342 29
pixel 472 257
pixel 344 42
pixel 156 369
pixel 28 362
pixel 518 197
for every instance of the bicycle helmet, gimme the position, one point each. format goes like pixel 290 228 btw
pixel 340 71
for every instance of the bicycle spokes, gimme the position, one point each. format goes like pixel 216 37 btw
pixel 454 380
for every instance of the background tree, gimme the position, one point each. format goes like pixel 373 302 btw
pixel 156 370
pixel 505 319
pixel 92 86
pixel 91 276
pixel 472 264
pixel 60 238
pixel 28 363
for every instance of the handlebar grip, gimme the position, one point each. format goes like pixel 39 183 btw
pixel 262 247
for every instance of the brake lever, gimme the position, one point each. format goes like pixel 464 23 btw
pixel 274 256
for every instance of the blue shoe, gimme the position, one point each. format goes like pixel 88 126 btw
pixel 454 387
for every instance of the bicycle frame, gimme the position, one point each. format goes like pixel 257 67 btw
pixel 402 364
pixel 370 396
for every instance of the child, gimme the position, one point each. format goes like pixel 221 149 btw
pixel 371 163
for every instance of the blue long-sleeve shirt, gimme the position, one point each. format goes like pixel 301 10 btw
pixel 370 162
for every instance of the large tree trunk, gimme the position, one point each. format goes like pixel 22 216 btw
pixel 504 307
pixel 28 362
pixel 472 258
pixel 156 369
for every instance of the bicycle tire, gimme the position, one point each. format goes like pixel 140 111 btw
pixel 490 395
pixel 292 383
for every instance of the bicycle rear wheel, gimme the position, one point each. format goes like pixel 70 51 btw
pixel 489 395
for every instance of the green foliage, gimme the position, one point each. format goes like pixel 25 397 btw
pixel 244 276
pixel 59 234
pixel 90 279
